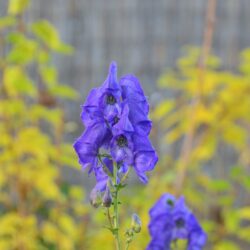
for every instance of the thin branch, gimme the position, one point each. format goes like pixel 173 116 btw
pixel 190 135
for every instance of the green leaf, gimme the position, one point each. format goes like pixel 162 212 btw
pixel 49 75
pixel 67 157
pixel 227 245
pixel 15 37
pixel 38 112
pixel 236 172
pixel 244 213
pixel 49 35
pixel 42 56
pixel 23 52
pixel 63 91
pixel 17 6
pixel 246 182
pixel 244 233
pixel 7 21
pixel 17 82
pixel 163 109
pixel 220 185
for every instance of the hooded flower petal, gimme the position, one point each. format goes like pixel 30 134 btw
pixel 197 237
pixel 138 104
pixel 87 153
pixel 88 144
pixel 103 103
pixel 91 112
pixel 145 156
pixel 111 82
pixel 101 178
pixel 110 99
pixel 163 206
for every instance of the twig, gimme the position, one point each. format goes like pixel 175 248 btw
pixel 189 137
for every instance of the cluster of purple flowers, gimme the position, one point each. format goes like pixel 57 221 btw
pixel 117 127
pixel 172 220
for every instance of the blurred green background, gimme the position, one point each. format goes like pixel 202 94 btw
pixel 53 52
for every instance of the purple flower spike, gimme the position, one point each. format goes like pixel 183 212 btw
pixel 115 116
pixel 172 220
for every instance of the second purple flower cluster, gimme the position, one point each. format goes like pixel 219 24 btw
pixel 171 220
pixel 117 127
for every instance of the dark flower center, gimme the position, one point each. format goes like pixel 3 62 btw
pixel 170 202
pixel 110 99
pixel 180 223
pixel 122 141
pixel 116 119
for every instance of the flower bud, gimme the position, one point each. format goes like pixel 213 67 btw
pixel 107 198
pixel 95 198
pixel 129 235
pixel 136 223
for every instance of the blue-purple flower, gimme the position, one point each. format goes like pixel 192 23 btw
pixel 172 220
pixel 116 122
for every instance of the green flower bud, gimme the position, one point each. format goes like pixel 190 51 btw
pixel 136 223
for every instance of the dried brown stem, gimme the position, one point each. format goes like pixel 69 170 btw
pixel 190 135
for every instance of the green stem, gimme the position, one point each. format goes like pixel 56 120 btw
pixel 127 244
pixel 116 220
pixel 109 219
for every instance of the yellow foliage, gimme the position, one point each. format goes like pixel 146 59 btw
pixel 36 212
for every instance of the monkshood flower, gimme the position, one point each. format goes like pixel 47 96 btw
pixel 171 220
pixel 116 122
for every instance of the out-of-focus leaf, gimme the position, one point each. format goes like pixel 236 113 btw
pixel 7 21
pixel 49 75
pixel 38 112
pixel 245 62
pixel 163 109
pixel 64 91
pixel 42 56
pixel 49 35
pixel 235 135
pixel 23 52
pixel 243 233
pixel 232 220
pixel 246 182
pixel 244 213
pixel 67 156
pixel 15 37
pixel 226 245
pixel 17 6
pixel 220 185
pixel 206 150
pixel 13 108
pixel 17 82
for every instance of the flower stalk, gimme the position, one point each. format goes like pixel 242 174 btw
pixel 116 212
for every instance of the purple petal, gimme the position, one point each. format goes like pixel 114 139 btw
pixel 164 205
pixel 86 152
pixel 123 125
pixel 111 81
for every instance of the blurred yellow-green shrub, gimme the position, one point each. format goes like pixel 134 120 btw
pixel 38 208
